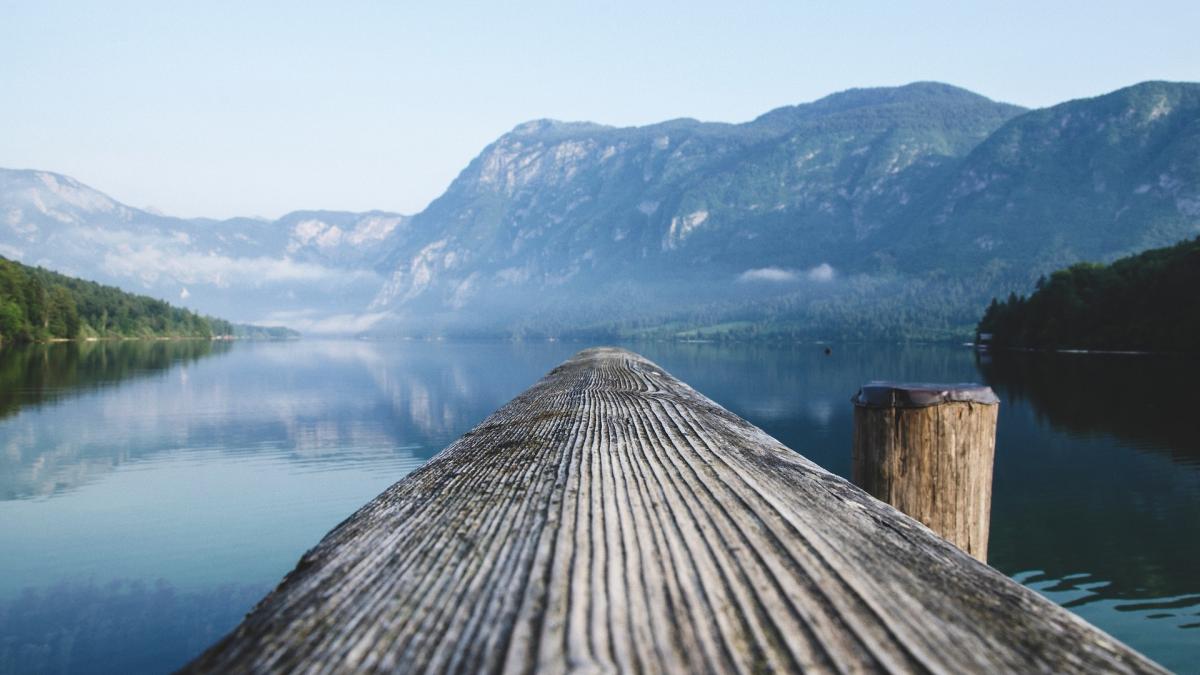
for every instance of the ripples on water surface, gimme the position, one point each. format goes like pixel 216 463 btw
pixel 150 493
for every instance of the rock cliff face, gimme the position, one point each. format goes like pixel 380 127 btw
pixel 915 203
pixel 553 203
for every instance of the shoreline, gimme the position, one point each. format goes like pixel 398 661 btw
pixel 151 338
pixel 984 348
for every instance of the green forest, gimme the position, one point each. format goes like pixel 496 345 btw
pixel 1146 302
pixel 38 305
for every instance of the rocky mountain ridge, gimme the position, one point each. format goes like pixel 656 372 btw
pixel 903 205
pixel 888 212
pixel 302 268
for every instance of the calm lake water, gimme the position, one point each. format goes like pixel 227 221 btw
pixel 151 493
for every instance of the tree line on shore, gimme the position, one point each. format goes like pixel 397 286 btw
pixel 1145 302
pixel 38 305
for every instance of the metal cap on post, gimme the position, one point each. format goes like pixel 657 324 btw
pixel 927 449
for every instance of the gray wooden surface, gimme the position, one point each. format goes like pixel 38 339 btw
pixel 610 518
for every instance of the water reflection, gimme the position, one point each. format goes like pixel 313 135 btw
pixel 35 374
pixel 322 402
pixel 214 467
pixel 34 460
pixel 1096 501
pixel 198 479
pixel 1145 400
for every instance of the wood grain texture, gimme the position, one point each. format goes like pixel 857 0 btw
pixel 932 462
pixel 612 519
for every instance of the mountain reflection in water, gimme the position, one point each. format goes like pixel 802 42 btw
pixel 149 492
pixel 40 373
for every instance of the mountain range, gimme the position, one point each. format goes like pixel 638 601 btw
pixel 885 212
pixel 309 268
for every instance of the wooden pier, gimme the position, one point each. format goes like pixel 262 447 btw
pixel 612 519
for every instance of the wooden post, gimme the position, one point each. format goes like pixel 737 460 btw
pixel 927 450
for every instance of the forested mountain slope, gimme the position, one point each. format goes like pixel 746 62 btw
pixel 872 213
pixel 36 304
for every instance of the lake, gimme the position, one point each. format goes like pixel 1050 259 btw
pixel 152 492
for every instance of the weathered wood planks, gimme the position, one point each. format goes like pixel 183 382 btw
pixel 610 518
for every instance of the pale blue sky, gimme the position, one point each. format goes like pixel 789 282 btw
pixel 244 108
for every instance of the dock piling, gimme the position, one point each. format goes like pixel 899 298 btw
pixel 927 449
